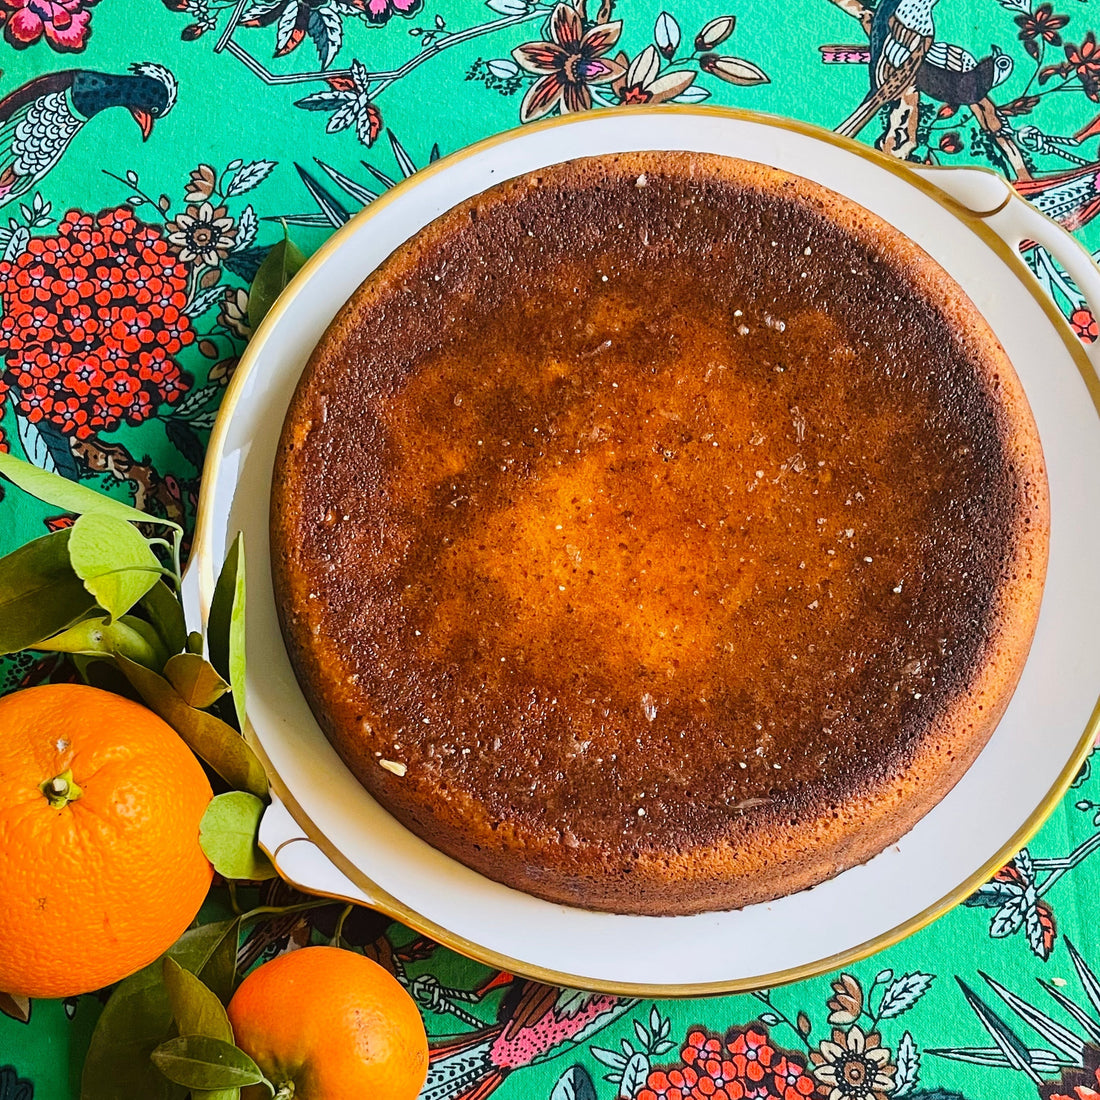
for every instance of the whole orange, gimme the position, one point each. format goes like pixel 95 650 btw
pixel 100 864
pixel 328 1024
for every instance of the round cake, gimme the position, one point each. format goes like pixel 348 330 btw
pixel 659 533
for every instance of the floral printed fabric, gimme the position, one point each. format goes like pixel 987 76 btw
pixel 149 153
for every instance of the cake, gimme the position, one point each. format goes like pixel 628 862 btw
pixel 659 533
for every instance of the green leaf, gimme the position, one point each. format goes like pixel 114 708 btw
pixel 195 1008
pixel 216 1094
pixel 134 1022
pixel 165 612
pixel 115 563
pixel 138 1018
pixel 196 680
pixel 225 629
pixel 219 744
pixel 194 642
pixel 40 594
pixel 199 1062
pixel 198 948
pixel 70 495
pixel 152 638
pixel 280 265
pixel 103 673
pixel 219 972
pixel 97 637
pixel 227 834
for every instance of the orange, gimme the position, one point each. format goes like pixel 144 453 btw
pixel 327 1024
pixel 100 864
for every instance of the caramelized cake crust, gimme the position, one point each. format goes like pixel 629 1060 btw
pixel 672 525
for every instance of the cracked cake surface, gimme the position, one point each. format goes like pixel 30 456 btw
pixel 659 533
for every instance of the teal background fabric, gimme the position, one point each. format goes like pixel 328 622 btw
pixel 165 143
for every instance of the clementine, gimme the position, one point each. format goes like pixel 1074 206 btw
pixel 100 864
pixel 323 1023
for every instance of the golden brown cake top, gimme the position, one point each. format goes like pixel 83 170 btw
pixel 646 497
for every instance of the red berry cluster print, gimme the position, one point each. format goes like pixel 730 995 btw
pixel 92 320
pixel 743 1066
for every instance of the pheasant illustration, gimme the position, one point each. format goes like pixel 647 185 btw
pixel 533 1021
pixel 951 74
pixel 40 119
pixel 902 33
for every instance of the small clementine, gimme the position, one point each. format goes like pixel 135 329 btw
pixel 100 864
pixel 323 1023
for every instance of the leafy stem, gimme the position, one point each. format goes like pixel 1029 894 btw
pixel 1058 867
pixel 268 77
pixel 177 543
pixel 873 1016
pixel 136 189
pixel 174 574
pixel 765 996
pixel 261 912
pixel 347 910
pixel 1038 66
pixel 383 78
pixel 231 26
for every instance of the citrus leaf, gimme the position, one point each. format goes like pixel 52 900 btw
pixel 137 1019
pixel 134 1022
pixel 280 265
pixel 219 972
pixel 70 495
pixel 199 1062
pixel 98 637
pixel 227 834
pixel 103 673
pixel 197 949
pixel 195 1008
pixel 219 744
pixel 165 612
pixel 40 594
pixel 152 638
pixel 196 680
pixel 225 629
pixel 115 563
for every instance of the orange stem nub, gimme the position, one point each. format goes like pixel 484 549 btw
pixel 61 790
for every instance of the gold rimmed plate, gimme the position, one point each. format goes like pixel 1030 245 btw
pixel 328 835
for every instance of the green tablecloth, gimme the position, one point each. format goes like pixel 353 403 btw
pixel 304 110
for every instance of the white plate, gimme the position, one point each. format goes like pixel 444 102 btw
pixel 1002 799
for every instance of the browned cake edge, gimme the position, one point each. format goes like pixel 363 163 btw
pixel 776 855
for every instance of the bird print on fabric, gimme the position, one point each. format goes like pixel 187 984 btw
pixel 952 75
pixel 533 1021
pixel 902 33
pixel 40 119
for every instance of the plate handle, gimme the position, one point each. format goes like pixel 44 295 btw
pixel 990 197
pixel 300 862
